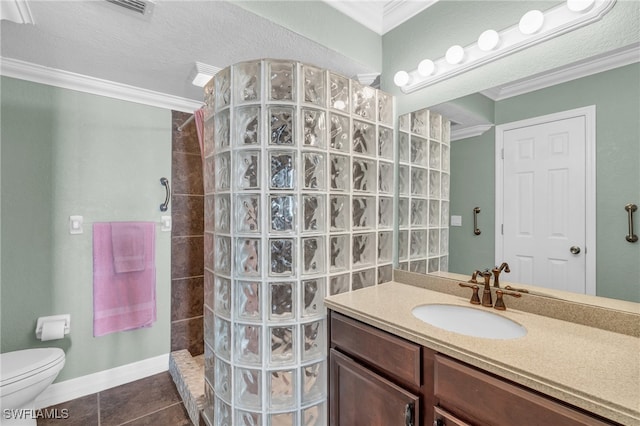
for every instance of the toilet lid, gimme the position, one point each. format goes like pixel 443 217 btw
pixel 17 365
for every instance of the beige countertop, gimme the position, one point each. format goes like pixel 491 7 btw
pixel 588 367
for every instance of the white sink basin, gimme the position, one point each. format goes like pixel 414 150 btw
pixel 469 321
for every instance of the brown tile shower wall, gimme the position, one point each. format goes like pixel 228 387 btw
pixel 187 238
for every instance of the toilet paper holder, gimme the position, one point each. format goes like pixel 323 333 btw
pixel 65 317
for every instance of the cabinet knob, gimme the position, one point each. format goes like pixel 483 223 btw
pixel 438 422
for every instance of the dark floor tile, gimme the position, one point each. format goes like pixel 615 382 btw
pixel 187 257
pixel 78 412
pixel 187 298
pixel 187 213
pixel 188 334
pixel 175 415
pixel 137 399
pixel 186 174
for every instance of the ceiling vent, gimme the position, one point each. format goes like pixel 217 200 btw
pixel 141 7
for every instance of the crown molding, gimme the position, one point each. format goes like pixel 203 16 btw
pixel 469 132
pixel 608 61
pixel 17 11
pixel 365 13
pixel 68 80
pixel 397 12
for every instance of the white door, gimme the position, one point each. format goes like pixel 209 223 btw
pixel 544 202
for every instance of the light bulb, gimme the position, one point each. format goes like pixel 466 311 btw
pixel 401 78
pixel 531 22
pixel 426 67
pixel 488 40
pixel 579 5
pixel 455 54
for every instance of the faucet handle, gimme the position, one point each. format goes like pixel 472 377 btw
pixel 475 299
pixel 499 305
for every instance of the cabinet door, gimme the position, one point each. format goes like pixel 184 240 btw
pixel 359 397
pixel 443 418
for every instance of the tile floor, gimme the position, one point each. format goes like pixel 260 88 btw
pixel 153 400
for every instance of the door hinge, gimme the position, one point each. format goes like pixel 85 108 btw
pixel 502 229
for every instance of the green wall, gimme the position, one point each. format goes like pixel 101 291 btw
pixel 70 153
pixel 616 94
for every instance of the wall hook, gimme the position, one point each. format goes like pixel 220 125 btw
pixel 165 182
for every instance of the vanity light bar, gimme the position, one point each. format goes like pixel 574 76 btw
pixel 533 28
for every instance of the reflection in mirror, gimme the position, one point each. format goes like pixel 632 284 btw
pixel 476 122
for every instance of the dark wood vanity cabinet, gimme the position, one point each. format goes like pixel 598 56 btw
pixel 379 379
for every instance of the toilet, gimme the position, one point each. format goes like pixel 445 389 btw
pixel 24 375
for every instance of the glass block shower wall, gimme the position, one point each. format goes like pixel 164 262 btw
pixel 299 183
pixel 423 186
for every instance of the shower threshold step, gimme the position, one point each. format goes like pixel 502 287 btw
pixel 188 374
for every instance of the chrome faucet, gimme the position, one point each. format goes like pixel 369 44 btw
pixel 496 273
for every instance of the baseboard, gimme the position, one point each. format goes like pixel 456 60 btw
pixel 96 382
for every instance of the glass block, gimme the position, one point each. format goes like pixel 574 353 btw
pixel 282 213
pixel 445 190
pixel 434 213
pixel 222 213
pixel 222 130
pixel 434 184
pixel 446 131
pixel 434 242
pixel 247 342
pixel 248 301
pixel 339 284
pixel 314 86
pixel 435 127
pixel 314 128
pixel 434 155
pixel 339 132
pixel 314 347
pixel 404 122
pixel 419 151
pixel 385 212
pixel 313 255
pixel 314 171
pixel 248 256
pixel 313 211
pixel 247 81
pixel 339 172
pixel 403 266
pixel 282 344
pixel 281 301
pixel 282 169
pixel 209 137
pixel 385 177
pixel 222 81
pixel 222 252
pixel 363 250
pixel 339 252
pixel 208 248
pixel 418 266
pixel 283 419
pixel 385 143
pixel 208 409
pixel 403 245
pixel 419 182
pixel 420 122
pixel 208 326
pixel 385 274
pixel 314 415
pixel 444 241
pixel 313 382
pixel 209 284
pixel 247 418
pixel 312 297
pixel 339 91
pixel 282 390
pixel 247 121
pixel 364 100
pixel 433 265
pixel 364 138
pixel 222 338
pixel 418 244
pixel 364 175
pixel 446 160
pixel 404 147
pixel 339 213
pixel 281 81
pixel 419 211
pixel 222 413
pixel 404 184
pixel 209 169
pixel 209 363
pixel 247 213
pixel 223 171
pixel 444 213
pixel 222 296
pixel 362 279
pixel 282 256
pixel 444 263
pixel 247 169
pixel 403 212
pixel 385 246
pixel 385 108
pixel 364 212
pixel 281 125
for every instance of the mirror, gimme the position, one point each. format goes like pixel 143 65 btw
pixel 616 96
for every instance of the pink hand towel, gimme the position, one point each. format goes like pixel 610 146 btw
pixel 127 242
pixel 123 300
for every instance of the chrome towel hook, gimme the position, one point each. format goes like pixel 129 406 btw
pixel 630 208
pixel 165 182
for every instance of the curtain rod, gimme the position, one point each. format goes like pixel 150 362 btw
pixel 187 121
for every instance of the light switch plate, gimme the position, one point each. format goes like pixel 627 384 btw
pixel 165 223
pixel 456 220
pixel 76 225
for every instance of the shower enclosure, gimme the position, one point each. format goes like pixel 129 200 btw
pixel 299 203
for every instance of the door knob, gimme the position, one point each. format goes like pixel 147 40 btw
pixel 574 249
